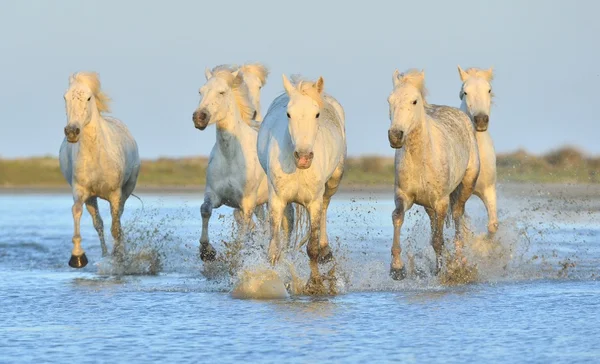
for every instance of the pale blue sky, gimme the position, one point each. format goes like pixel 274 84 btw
pixel 151 57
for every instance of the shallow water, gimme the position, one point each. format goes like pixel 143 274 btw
pixel 536 297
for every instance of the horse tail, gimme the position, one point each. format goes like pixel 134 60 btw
pixel 142 202
pixel 301 225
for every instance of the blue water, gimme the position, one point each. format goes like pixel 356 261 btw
pixel 536 300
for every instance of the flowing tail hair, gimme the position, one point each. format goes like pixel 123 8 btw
pixel 138 197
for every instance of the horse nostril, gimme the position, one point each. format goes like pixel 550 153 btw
pixel 296 155
pixel 311 155
pixel 202 116
pixel 77 131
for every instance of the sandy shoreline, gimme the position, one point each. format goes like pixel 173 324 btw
pixel 580 191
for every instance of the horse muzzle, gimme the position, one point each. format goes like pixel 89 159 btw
pixel 201 119
pixel 481 122
pixel 72 133
pixel 303 160
pixel 396 138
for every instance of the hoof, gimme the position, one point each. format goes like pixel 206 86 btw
pixel 398 274
pixel 326 258
pixel 208 253
pixel 78 261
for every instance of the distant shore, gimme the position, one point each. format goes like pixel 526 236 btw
pixel 368 173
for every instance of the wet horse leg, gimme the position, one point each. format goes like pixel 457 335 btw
pixel 288 224
pixel 276 208
pixel 438 218
pixel 489 200
pixel 315 211
pixel 397 268
pixel 78 257
pixel 325 254
pixel 207 252
pixel 116 210
pixel 92 206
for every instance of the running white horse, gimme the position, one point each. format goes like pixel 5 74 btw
pixel 437 162
pixel 254 76
pixel 302 148
pixel 98 158
pixel 234 177
pixel 476 95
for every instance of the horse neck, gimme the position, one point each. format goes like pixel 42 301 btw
pixel 418 143
pixel 92 136
pixel 229 132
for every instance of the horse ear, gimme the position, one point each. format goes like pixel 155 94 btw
pixel 235 73
pixel 71 78
pixel 289 88
pixel 490 74
pixel 207 74
pixel 320 85
pixel 463 75
pixel 396 77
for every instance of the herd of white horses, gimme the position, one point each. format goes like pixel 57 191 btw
pixel 294 155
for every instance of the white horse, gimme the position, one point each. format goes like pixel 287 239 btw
pixel 302 148
pixel 255 77
pixel 98 158
pixel 234 177
pixel 437 162
pixel 476 95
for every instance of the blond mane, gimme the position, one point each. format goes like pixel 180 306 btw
pixel 307 88
pixel 478 72
pixel 91 80
pixel 239 88
pixel 415 78
pixel 258 70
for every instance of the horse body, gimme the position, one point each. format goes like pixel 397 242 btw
pixel 476 96
pixel 302 149
pixel 98 158
pixel 234 177
pixel 436 162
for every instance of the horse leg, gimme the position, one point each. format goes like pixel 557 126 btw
pixel 438 218
pixel 116 210
pixel 288 223
pixel 397 269
pixel 459 197
pixel 238 215
pixel 315 210
pixel 207 252
pixel 325 255
pixel 92 206
pixel 331 188
pixel 246 210
pixel 78 257
pixel 260 213
pixel 489 200
pixel 276 207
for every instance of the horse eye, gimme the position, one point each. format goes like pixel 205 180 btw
pixel 414 102
pixel 89 98
pixel 222 93
pixel 464 93
pixel 318 114
pixel 288 115
pixel 489 91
